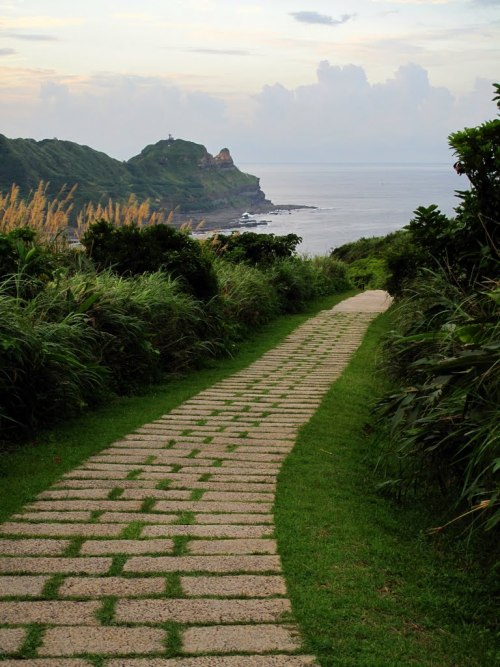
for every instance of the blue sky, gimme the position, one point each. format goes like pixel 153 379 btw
pixel 275 80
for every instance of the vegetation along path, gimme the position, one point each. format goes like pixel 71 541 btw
pixel 162 545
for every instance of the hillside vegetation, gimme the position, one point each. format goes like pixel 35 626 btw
pixel 171 173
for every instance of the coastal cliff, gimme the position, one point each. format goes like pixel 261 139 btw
pixel 172 174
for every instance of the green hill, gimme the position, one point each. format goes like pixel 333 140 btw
pixel 171 173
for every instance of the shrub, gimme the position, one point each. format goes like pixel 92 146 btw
pixel 48 369
pixel 29 264
pixel 445 421
pixel 247 297
pixel 368 273
pixel 255 249
pixel 331 275
pixel 131 250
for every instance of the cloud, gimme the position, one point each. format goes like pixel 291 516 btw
pixel 7 52
pixel 486 3
pixel 341 116
pixel 29 38
pixel 320 19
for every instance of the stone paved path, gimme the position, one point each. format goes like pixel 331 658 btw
pixel 164 541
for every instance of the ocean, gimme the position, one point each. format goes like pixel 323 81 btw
pixel 351 200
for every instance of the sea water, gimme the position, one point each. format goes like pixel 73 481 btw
pixel 351 200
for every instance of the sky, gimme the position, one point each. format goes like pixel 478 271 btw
pixel 273 80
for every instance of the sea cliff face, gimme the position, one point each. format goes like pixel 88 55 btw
pixel 172 174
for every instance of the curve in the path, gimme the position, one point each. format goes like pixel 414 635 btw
pixel 163 543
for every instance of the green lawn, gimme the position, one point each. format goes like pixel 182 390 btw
pixel 369 587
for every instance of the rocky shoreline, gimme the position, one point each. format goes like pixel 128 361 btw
pixel 226 218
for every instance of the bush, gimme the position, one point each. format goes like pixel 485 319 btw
pixel 255 249
pixel 247 297
pixel 131 250
pixel 331 275
pixel 29 264
pixel 48 369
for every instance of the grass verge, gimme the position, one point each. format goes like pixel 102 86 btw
pixel 27 469
pixel 369 587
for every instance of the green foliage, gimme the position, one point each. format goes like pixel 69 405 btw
pixel 48 369
pixel 167 173
pixel 368 273
pixel 375 246
pixel 253 248
pixel 384 262
pixel 444 424
pixel 21 255
pixel 131 250
pixel 444 420
pixel 247 297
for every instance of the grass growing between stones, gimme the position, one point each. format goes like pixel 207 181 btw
pixel 369 586
pixel 30 468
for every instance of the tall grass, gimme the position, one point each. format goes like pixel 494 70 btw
pixel 48 369
pixel 445 421
pixel 248 298
pixel 55 218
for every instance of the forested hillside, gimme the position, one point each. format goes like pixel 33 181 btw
pixel 171 173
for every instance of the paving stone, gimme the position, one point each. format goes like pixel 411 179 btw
pixel 248 466
pixel 102 586
pixel 257 488
pixel 242 496
pixel 214 531
pixel 63 494
pixel 53 516
pixel 203 564
pixel 208 506
pixel 265 480
pixel 11 639
pixel 140 494
pixel 104 641
pixel 216 661
pixel 251 519
pixel 241 585
pixel 245 638
pixel 109 467
pixel 231 470
pixel 22 586
pixel 63 529
pixel 106 484
pixel 201 611
pixel 120 505
pixel 97 547
pixel 33 547
pixel 51 611
pixel 95 474
pixel 133 460
pixel 232 547
pixel 11 565
pixel 129 517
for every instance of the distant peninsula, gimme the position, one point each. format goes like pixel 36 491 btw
pixel 172 174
